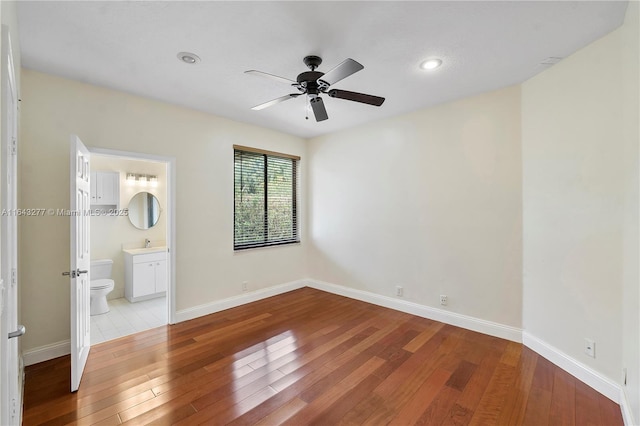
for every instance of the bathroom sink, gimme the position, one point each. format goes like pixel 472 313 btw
pixel 145 250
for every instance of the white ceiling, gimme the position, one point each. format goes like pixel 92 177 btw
pixel 132 46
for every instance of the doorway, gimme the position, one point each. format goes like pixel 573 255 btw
pixel 131 236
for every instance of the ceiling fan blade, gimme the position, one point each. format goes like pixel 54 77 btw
pixel 318 108
pixel 271 76
pixel 275 101
pixel 342 70
pixel 357 97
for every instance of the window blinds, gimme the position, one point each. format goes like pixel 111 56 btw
pixel 265 210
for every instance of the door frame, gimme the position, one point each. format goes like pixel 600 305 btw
pixel 11 388
pixel 170 209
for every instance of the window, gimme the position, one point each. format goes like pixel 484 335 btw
pixel 264 198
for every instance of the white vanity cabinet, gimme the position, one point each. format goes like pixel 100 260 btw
pixel 105 189
pixel 145 273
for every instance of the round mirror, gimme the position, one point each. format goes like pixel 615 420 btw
pixel 144 210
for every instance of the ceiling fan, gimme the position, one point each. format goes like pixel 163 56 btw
pixel 313 83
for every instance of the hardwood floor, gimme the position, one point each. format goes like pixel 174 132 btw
pixel 310 357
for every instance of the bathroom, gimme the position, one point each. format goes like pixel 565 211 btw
pixel 131 194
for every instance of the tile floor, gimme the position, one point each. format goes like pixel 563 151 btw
pixel 127 318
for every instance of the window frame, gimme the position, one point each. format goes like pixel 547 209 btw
pixel 294 186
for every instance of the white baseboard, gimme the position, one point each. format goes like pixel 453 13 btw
pixel 582 372
pixel 232 302
pixel 625 407
pixel 471 323
pixel 46 352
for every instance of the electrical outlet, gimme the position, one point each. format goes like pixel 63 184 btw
pixel 399 291
pixel 245 285
pixel 443 299
pixel 590 348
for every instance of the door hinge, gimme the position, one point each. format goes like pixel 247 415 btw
pixel 13 149
pixel 14 276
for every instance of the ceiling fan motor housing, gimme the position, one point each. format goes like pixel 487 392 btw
pixel 309 81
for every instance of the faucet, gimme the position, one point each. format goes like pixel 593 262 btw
pixel 147 243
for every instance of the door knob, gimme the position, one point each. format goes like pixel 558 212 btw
pixel 19 332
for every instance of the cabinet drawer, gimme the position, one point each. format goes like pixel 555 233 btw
pixel 151 257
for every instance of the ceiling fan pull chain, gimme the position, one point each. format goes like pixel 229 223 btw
pixel 307 108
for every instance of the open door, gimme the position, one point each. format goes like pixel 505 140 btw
pixel 80 260
pixel 11 383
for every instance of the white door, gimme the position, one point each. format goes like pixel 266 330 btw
pixel 11 383
pixel 80 260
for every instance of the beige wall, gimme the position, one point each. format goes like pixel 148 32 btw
pixel 580 208
pixel 207 269
pixel 110 234
pixel 430 201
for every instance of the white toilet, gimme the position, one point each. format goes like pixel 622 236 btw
pixel 101 285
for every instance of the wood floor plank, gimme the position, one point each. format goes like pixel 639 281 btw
pixel 296 382
pixel 474 347
pixel 169 415
pixel 283 413
pixel 438 411
pixel 396 394
pixel 312 410
pixel 422 338
pixel 609 411
pixel 493 400
pixel 423 397
pixel 515 403
pixel 587 408
pixel 538 406
pixel 461 375
pixel 336 411
pixel 111 411
pixel 564 394
pixel 477 384
pixel 313 358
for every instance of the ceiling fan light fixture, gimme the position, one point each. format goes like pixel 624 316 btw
pixel 188 58
pixel 430 64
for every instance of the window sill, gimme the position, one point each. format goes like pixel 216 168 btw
pixel 267 246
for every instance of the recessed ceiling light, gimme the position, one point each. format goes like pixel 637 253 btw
pixel 188 57
pixel 431 64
